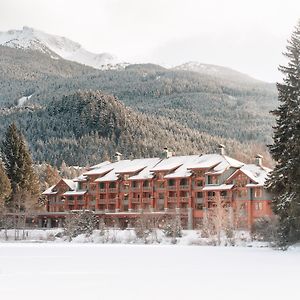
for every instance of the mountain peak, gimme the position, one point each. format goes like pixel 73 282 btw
pixel 57 47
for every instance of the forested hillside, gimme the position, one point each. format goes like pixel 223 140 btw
pixel 165 101
pixel 86 127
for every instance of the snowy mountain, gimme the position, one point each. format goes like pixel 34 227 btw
pixel 215 71
pixel 56 47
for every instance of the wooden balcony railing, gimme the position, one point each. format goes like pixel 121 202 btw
pixel 102 190
pixel 184 187
pixel 112 190
pixel 146 188
pixel 135 200
pixel 146 200
pixel 172 199
pixel 171 187
pixel 184 199
pixel 112 200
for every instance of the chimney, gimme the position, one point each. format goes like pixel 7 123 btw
pixel 166 153
pixel 258 160
pixel 117 156
pixel 221 149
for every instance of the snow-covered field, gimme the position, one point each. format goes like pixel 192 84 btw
pixel 94 271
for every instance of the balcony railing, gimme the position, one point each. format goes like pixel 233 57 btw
pixel 146 200
pixel 112 200
pixel 172 199
pixel 102 201
pixel 102 190
pixel 160 188
pixel 135 188
pixel 112 190
pixel 171 187
pixel 135 200
pixel 197 187
pixel 184 199
pixel 184 187
pixel 146 188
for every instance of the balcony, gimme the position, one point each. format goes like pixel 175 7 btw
pixel 160 188
pixel 171 187
pixel 135 188
pixel 184 187
pixel 102 190
pixel 102 201
pixel 184 199
pixel 112 200
pixel 172 199
pixel 112 190
pixel 146 200
pixel 135 200
pixel 198 187
pixel 146 188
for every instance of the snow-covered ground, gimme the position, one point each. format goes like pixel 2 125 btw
pixel 92 271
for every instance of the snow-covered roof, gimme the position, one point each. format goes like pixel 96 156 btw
pixel 221 187
pixel 49 191
pixel 217 163
pixel 258 174
pixel 70 183
pixel 146 172
pixel 184 170
pixel 115 168
pixel 137 165
pixel 100 170
pixel 80 178
pixel 100 165
pixel 171 163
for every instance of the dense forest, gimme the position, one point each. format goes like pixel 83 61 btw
pixel 185 110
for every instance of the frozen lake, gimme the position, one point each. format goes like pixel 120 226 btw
pixel 89 271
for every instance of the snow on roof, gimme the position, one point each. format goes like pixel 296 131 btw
pixel 49 191
pixel 138 165
pixel 221 187
pixel 115 167
pixel 100 165
pixel 80 178
pixel 258 174
pixel 184 170
pixel 100 170
pixel 172 163
pixel 218 162
pixel 146 172
pixel 70 183
pixel 71 193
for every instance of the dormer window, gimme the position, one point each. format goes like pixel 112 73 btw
pixel 171 182
pixel 211 179
pixel 146 183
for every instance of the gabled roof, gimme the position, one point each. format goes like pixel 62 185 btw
pixel 49 191
pixel 70 183
pixel 146 172
pixel 184 170
pixel 257 174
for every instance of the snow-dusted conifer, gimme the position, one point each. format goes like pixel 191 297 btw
pixel 284 181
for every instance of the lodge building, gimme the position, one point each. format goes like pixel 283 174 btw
pixel 184 185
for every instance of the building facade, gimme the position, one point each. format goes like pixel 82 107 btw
pixel 183 185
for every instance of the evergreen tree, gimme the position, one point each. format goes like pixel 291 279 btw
pixel 284 181
pixel 5 188
pixel 19 168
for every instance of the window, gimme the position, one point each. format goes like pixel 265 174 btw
pixel 135 184
pixel 171 182
pixel 242 193
pixel 223 193
pixel 112 185
pixel 212 179
pixel 211 194
pixel 101 185
pixel 199 206
pixel 146 183
pixel 161 196
pixel 199 183
pixel 258 206
pixel 183 182
pixel 199 195
pixel 257 192
pixel 79 198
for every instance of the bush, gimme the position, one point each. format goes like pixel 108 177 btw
pixel 266 229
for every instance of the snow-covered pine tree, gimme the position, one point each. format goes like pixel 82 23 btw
pixel 5 187
pixel 19 169
pixel 284 181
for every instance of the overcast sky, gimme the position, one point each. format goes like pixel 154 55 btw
pixel 247 35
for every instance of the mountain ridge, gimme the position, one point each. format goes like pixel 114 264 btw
pixel 57 47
